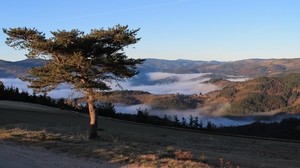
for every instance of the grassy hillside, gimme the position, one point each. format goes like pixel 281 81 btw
pixel 263 94
pixel 138 145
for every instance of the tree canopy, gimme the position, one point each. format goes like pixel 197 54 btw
pixel 83 60
pixel 87 61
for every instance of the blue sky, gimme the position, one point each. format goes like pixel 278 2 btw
pixel 223 30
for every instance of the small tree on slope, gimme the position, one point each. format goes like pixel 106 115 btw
pixel 85 61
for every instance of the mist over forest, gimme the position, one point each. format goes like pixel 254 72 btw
pixel 157 83
pixel 154 82
pixel 177 77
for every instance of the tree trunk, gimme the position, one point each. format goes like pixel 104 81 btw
pixel 93 117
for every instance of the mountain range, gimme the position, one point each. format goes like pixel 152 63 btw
pixel 249 68
pixel 15 69
pixel 274 86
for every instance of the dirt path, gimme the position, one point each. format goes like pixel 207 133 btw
pixel 16 156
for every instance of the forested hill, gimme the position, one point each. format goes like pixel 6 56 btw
pixel 263 94
pixel 248 68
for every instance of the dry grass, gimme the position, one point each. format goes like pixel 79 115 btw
pixel 106 147
pixel 138 145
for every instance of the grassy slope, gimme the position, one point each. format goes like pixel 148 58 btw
pixel 129 143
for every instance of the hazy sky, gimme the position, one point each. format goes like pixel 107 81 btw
pixel 222 30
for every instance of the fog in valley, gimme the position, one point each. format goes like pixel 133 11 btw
pixel 170 83
pixel 155 83
pixel 158 83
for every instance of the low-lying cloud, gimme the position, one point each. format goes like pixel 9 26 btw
pixel 161 83
pixel 202 115
pixel 169 83
pixel 156 83
pixel 62 91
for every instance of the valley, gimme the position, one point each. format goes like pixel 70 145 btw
pixel 186 88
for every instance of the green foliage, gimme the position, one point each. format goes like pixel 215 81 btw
pixel 178 101
pixel 257 102
pixel 86 61
pixel 263 94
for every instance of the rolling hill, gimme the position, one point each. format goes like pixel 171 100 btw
pixel 249 68
pixel 274 89
pixel 10 69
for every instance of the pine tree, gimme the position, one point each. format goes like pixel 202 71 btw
pixel 85 61
pixel 1 90
pixel 191 121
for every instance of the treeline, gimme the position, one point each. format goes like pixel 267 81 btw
pixel 11 93
pixel 286 129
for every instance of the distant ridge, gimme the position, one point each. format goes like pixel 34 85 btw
pixel 9 69
pixel 249 67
